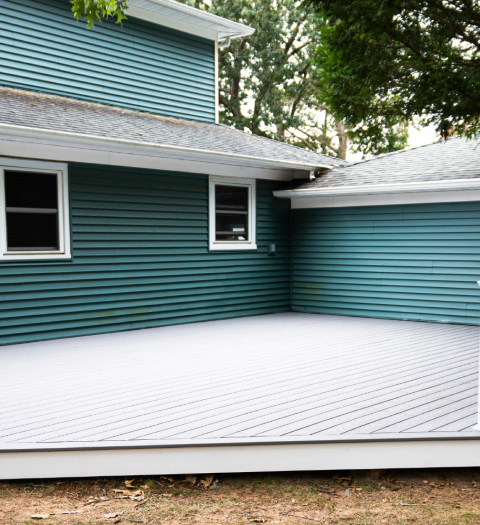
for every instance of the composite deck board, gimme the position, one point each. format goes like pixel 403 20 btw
pixel 178 397
pixel 179 411
pixel 289 375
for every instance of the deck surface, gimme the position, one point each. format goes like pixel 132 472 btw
pixel 282 377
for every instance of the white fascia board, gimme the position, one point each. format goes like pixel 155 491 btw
pixel 188 19
pixel 374 189
pixel 166 21
pixel 30 149
pixel 237 458
pixel 108 144
pixel 387 199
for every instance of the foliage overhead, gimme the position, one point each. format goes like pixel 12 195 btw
pixel 96 10
pixel 272 83
pixel 268 83
pixel 399 59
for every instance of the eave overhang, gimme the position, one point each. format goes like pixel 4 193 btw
pixel 188 19
pixel 376 189
pixel 73 147
pixel 441 191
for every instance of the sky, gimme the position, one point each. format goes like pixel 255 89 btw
pixel 416 137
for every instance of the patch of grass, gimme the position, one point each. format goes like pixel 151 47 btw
pixel 284 499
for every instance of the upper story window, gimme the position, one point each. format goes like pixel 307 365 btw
pixel 232 204
pixel 33 210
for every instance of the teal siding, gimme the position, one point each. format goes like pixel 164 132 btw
pixel 141 259
pixel 138 65
pixel 418 262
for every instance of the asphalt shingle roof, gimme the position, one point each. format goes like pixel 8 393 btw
pixel 455 158
pixel 62 114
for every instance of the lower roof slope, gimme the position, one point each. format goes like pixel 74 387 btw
pixel 30 110
pixel 447 160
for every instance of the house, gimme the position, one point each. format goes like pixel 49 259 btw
pixel 178 296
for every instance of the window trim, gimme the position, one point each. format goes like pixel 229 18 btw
pixel 251 244
pixel 61 170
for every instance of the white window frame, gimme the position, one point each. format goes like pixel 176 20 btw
pixel 61 170
pixel 251 244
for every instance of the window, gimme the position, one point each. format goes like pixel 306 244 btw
pixel 33 210
pixel 232 214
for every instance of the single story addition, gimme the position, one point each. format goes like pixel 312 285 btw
pixel 177 296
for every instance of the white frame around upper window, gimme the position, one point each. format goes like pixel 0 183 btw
pixel 61 170
pixel 251 244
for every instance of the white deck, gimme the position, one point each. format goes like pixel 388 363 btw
pixel 285 378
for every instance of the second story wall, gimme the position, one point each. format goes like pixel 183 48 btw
pixel 137 65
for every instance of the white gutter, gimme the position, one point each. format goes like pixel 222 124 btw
pixel 186 18
pixel 107 143
pixel 377 189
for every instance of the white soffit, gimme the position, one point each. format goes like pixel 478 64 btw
pixel 187 19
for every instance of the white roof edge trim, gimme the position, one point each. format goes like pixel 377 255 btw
pixel 27 132
pixel 186 18
pixel 372 189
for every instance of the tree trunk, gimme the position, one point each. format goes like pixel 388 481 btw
pixel 342 140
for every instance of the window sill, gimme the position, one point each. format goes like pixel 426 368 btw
pixel 220 246
pixel 25 257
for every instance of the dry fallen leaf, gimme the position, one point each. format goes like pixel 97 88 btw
pixel 124 492
pixel 40 516
pixel 258 520
pixel 168 479
pixel 128 484
pixel 190 479
pixel 112 515
pixel 207 480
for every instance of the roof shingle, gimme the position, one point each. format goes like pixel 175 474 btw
pixel 455 158
pixel 61 114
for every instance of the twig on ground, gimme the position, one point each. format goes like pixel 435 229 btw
pixel 300 517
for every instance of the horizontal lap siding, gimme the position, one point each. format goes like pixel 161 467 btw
pixel 418 262
pixel 141 259
pixel 137 65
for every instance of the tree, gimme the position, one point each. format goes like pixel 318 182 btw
pixel 272 83
pixel 96 10
pixel 269 84
pixel 393 60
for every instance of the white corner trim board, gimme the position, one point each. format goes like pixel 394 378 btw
pixel 238 458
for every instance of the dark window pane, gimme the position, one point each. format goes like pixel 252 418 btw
pixel 231 198
pixel 231 227
pixel 231 213
pixel 32 231
pixel 30 190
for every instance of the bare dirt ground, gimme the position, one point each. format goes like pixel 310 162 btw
pixel 433 497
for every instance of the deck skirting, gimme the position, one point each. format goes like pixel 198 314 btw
pixel 237 458
pixel 280 392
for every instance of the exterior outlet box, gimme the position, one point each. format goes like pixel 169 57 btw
pixel 271 249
